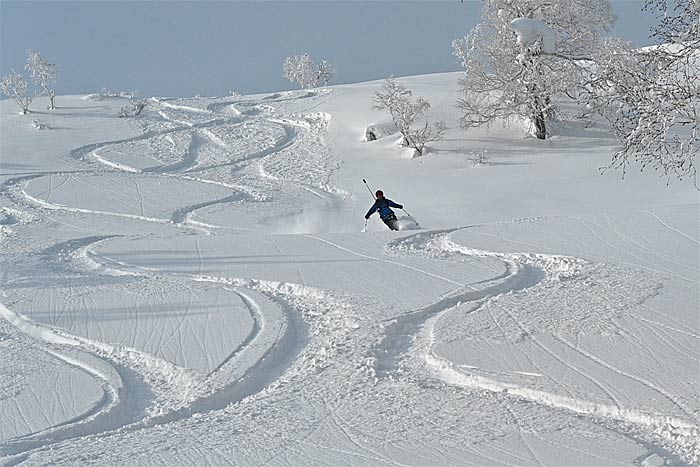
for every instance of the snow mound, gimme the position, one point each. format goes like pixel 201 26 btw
pixel 530 31
pixel 379 130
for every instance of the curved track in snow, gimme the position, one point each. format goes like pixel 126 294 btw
pixel 246 370
pixel 330 323
pixel 679 430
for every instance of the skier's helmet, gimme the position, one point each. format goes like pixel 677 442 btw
pixel 379 194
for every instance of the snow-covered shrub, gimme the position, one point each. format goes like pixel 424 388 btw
pixel 106 93
pixel 522 55
pixel 303 71
pixel 15 87
pixel 40 126
pixel 136 105
pixel 480 158
pixel 42 73
pixel 404 111
pixel 102 95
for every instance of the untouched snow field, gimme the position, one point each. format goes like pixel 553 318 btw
pixel 194 286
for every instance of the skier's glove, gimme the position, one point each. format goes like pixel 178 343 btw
pixel 400 206
pixel 367 216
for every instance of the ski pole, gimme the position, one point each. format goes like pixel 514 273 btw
pixel 373 197
pixel 370 190
pixel 417 224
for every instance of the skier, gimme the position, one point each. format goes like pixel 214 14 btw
pixel 384 205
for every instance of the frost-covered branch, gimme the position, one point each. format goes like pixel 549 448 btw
pixel 404 111
pixel 651 97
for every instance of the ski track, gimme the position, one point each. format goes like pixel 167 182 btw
pixel 281 331
pixel 668 428
pixel 671 228
pixel 117 410
pixel 403 331
pixel 276 343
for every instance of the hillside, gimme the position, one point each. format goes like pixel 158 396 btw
pixel 196 286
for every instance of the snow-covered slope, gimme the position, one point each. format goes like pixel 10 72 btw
pixel 194 286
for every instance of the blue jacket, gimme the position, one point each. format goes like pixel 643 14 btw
pixel 383 206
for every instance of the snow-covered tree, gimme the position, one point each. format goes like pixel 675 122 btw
pixel 303 71
pixel 15 87
pixel 300 70
pixel 404 110
pixel 651 96
pixel 523 54
pixel 324 73
pixel 42 73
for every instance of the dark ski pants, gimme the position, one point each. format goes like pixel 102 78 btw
pixel 390 222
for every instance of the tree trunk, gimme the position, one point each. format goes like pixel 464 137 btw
pixel 51 95
pixel 540 129
pixel 408 142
